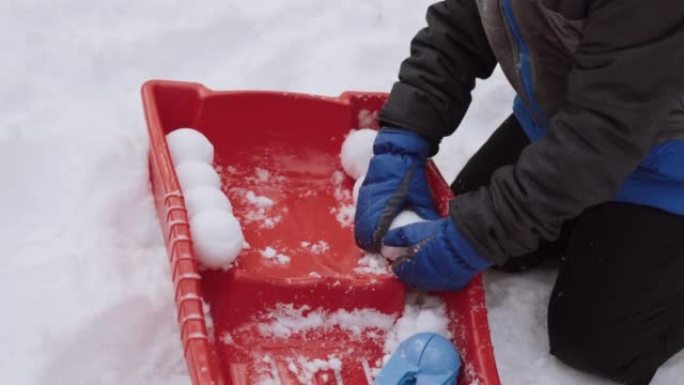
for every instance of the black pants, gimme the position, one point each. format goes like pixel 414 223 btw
pixel 617 309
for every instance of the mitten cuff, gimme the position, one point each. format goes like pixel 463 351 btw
pixel 397 141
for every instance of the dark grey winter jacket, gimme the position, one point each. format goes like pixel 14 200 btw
pixel 601 95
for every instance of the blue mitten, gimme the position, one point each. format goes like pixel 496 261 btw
pixel 396 180
pixel 438 257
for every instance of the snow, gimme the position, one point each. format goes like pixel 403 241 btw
pixel 422 313
pixel 374 264
pixel 262 175
pixel 85 278
pixel 263 210
pixel 305 369
pixel 194 173
pixel 345 209
pixel 357 151
pixel 337 179
pixel 286 320
pixel 316 248
pixel 344 214
pixel 273 255
pixel 392 253
pixel 405 218
pixel 517 310
pixel 189 144
pixel 217 238
pixel 357 187
pixel 203 198
pixel 261 202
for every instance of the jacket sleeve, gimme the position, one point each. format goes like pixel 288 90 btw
pixel 433 91
pixel 627 76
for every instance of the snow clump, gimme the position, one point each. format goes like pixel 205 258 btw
pixel 216 233
pixel 357 187
pixel 273 255
pixel 422 313
pixel 217 238
pixel 405 218
pixel 357 151
pixel 206 198
pixel 194 173
pixel 187 144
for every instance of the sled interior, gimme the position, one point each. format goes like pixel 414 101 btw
pixel 285 147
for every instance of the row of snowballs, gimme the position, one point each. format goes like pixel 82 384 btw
pixel 216 233
pixel 355 156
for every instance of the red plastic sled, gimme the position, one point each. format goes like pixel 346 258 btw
pixel 284 146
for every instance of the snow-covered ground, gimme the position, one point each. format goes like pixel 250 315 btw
pixel 84 281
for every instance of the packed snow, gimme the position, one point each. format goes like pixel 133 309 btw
pixel 374 264
pixel 85 273
pixel 217 238
pixel 422 313
pixel 357 187
pixel 357 151
pixel 203 198
pixel 187 144
pixel 405 218
pixel 194 173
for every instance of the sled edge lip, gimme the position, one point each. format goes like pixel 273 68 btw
pixel 346 97
pixel 200 355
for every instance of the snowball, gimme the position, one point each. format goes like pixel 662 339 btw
pixel 194 173
pixel 357 187
pixel 405 218
pixel 186 144
pixel 217 238
pixel 392 252
pixel 357 151
pixel 206 198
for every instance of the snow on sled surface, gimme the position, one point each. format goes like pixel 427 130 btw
pixel 278 157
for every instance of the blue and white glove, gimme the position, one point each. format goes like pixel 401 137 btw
pixel 437 258
pixel 396 180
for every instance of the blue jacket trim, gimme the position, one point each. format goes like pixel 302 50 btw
pixel 658 180
pixel 533 131
pixel 524 65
